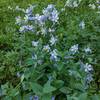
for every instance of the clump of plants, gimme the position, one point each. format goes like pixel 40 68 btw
pixel 49 66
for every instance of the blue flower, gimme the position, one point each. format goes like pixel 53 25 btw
pixel 35 43
pixel 82 25
pixel 29 10
pixel 31 98
pixel 53 98
pixel 26 28
pixel 54 55
pixel 41 18
pixel 53 40
pixel 89 78
pixel 87 50
pixel 29 18
pixel 22 29
pixel 54 16
pixel 46 48
pixel 36 97
pixel 51 13
pixel 74 49
pixel 47 10
pixel 88 68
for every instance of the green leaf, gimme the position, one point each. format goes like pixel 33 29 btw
pixel 25 97
pixel 83 96
pixel 37 88
pixel 63 90
pixel 46 97
pixel 95 97
pixel 48 88
pixel 13 92
pixel 79 87
pixel 60 66
pixel 4 88
pixel 71 97
pixel 59 83
pixel 29 61
pixel 22 78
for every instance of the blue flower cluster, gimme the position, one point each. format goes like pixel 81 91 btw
pixel 38 24
pixel 49 14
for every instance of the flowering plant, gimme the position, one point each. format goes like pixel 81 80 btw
pixel 50 66
pixel 56 67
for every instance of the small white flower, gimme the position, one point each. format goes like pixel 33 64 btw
pixel 92 6
pixel 37 16
pixel 18 20
pixel 72 3
pixel 68 3
pixel 43 30
pixel 29 27
pixel 26 18
pixel 70 72
pixel 53 40
pixel 51 6
pixel 10 8
pixel 47 48
pixel 74 49
pixel 97 1
pixel 22 29
pixel 35 43
pixel 51 30
pixel 19 9
pixel 54 55
pixel 82 25
pixel 87 50
pixel 88 67
pixel 98 7
pixel 40 62
pixel 63 9
pixel 75 4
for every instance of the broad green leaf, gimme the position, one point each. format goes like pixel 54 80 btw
pixel 37 88
pixel 83 96
pixel 60 66
pixel 4 89
pixel 48 88
pixel 22 78
pixel 63 90
pixel 29 61
pixel 58 83
pixel 79 87
pixel 96 97
pixel 46 97
pixel 13 92
pixel 71 97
